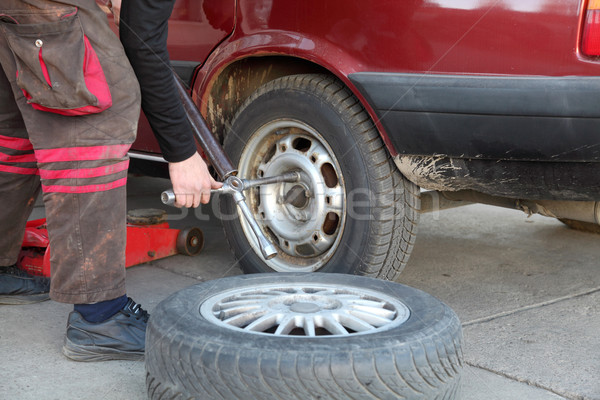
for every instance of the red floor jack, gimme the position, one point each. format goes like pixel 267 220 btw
pixel 149 238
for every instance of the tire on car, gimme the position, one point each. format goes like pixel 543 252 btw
pixel 303 336
pixel 351 212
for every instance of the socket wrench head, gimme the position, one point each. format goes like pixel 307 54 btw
pixel 167 197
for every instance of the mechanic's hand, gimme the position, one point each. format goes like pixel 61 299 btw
pixel 191 182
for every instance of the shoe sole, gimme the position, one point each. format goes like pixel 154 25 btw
pixel 98 353
pixel 24 299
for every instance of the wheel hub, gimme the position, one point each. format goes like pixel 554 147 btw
pixel 304 218
pixel 305 308
pixel 297 196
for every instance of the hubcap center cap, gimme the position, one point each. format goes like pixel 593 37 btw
pixel 305 308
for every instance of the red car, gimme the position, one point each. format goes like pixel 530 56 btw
pixel 371 100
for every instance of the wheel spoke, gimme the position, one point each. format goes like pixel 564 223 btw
pixel 238 303
pixel 279 292
pixel 334 198
pixel 380 312
pixel 231 312
pixel 263 323
pixel 372 307
pixel 309 326
pixel 372 319
pixel 334 327
pixel 254 296
pixel 286 325
pixel 285 144
pixel 355 323
pixel 322 243
pixel 241 320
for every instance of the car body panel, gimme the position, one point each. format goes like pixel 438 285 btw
pixel 197 27
pixel 427 37
pixel 488 117
pixel 531 95
pixel 536 37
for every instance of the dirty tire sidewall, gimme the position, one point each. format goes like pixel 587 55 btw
pixel 190 357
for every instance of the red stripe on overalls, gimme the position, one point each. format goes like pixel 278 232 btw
pixel 15 143
pixel 90 153
pixel 84 189
pixel 19 170
pixel 19 144
pixel 21 158
pixel 84 172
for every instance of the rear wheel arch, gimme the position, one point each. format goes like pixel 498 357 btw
pixel 231 86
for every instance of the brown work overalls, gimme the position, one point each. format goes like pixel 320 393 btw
pixel 78 161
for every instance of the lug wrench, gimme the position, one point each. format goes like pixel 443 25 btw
pixel 235 186
pixel 222 164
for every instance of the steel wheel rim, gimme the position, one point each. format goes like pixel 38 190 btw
pixel 305 310
pixel 305 219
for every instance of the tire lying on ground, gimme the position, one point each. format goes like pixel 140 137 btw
pixel 302 336
pixel 350 212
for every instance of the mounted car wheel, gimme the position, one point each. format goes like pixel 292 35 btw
pixel 350 212
pixel 303 336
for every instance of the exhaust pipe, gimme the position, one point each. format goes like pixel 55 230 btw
pixel 584 211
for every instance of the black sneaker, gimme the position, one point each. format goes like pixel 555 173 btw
pixel 121 337
pixel 18 287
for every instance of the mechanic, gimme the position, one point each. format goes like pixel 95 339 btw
pixel 69 106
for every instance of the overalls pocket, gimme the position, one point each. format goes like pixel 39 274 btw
pixel 57 68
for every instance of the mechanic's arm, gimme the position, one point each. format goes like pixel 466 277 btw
pixel 143 32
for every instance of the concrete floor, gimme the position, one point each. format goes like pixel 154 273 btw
pixel 526 289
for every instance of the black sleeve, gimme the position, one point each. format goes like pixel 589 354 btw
pixel 143 30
